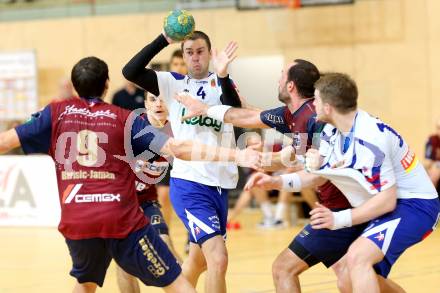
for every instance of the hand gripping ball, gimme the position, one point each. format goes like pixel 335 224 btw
pixel 179 24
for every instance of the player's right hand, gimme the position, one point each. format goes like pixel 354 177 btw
pixel 263 181
pixel 194 106
pixel 312 160
pixel 248 158
pixel 169 40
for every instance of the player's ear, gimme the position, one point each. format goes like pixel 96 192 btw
pixel 327 108
pixel 291 86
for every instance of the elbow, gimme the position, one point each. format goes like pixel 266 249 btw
pixel 128 73
pixel 234 103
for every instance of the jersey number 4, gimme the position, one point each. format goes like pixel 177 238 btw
pixel 201 93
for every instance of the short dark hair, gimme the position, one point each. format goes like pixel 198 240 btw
pixel 89 77
pixel 198 35
pixel 304 74
pixel 177 54
pixel 339 90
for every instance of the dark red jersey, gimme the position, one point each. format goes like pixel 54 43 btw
pixel 93 150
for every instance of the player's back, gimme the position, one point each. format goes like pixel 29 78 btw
pixel 380 155
pixel 97 191
pixel 411 178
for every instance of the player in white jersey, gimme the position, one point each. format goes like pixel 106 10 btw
pixel 198 190
pixel 380 176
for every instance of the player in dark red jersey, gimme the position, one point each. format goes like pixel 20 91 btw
pixel 147 193
pixel 93 145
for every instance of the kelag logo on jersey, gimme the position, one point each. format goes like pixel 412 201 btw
pixel 202 121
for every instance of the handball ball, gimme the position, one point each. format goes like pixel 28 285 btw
pixel 179 24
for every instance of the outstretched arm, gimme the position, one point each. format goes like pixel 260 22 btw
pixel 246 118
pixel 189 151
pixel 290 182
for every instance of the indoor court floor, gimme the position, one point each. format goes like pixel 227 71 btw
pixel 37 260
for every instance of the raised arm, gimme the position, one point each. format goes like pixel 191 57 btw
pixel 135 70
pixel 221 62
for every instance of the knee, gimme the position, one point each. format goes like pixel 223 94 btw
pixel 198 264
pixel 218 262
pixel 355 259
pixel 282 269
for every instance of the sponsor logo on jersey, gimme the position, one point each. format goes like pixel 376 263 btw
pixel 409 161
pixel 96 175
pixel 151 168
pixel 380 236
pixel 274 118
pixel 71 194
pixel 203 121
pixel 156 265
pixel 155 220
pixel 72 110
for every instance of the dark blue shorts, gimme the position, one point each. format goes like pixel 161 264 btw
pixel 203 209
pixel 152 212
pixel 142 254
pixel 323 245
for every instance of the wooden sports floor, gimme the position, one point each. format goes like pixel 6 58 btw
pixel 37 260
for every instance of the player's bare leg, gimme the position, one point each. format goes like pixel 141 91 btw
pixel 344 281
pixel 194 265
pixel 389 286
pixel 87 287
pixel 343 276
pixel 309 195
pixel 281 208
pixel 126 282
pixel 180 285
pixel 163 195
pixel 216 257
pixel 360 258
pixel 242 202
pixel 286 270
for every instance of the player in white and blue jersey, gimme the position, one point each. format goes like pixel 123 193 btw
pixel 198 190
pixel 380 176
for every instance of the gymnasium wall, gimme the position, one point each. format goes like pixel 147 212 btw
pixel 388 46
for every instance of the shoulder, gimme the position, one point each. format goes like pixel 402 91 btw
pixel 170 75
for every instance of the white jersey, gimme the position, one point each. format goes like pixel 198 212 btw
pixel 377 158
pixel 200 129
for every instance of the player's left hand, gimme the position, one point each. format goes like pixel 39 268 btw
pixel 224 58
pixel 194 106
pixel 321 217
